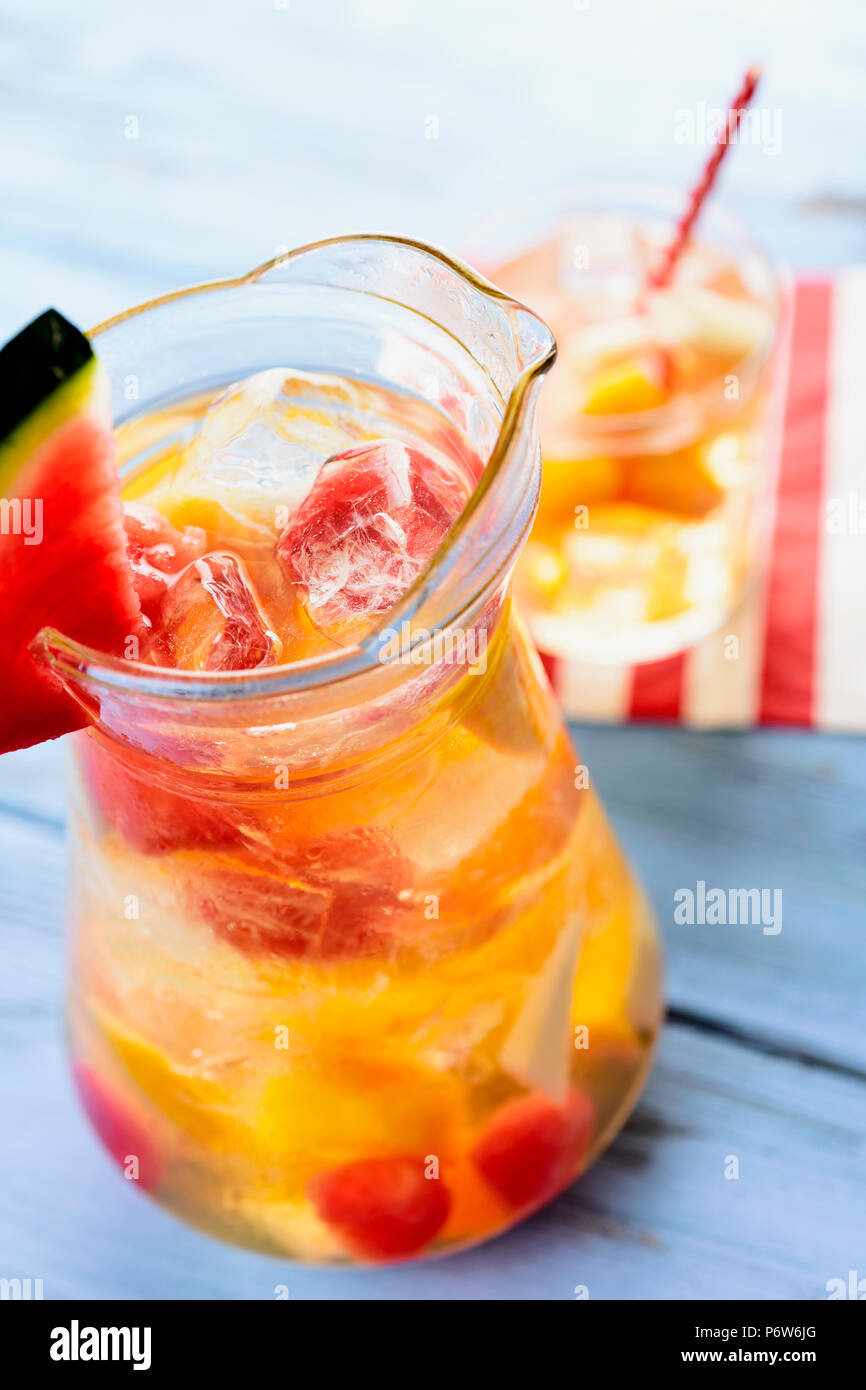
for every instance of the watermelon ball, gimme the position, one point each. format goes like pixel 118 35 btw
pixel 373 518
pixel 532 1147
pixel 157 552
pixel 383 1208
pixel 123 1134
pixel 342 897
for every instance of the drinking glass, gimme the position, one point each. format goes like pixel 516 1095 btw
pixel 654 501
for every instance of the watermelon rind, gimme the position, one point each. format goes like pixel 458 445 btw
pixel 48 374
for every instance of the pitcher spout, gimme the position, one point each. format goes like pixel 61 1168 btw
pixel 370 308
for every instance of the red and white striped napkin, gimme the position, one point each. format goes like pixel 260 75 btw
pixel 802 630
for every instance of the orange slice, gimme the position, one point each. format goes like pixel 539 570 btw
pixel 624 389
pixel 681 483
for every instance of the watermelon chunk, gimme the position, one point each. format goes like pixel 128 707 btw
pixel 152 819
pixel 157 552
pixel 342 897
pixel 125 1135
pixel 384 1208
pixel 62 544
pixel 532 1147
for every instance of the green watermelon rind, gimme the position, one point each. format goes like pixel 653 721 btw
pixel 19 451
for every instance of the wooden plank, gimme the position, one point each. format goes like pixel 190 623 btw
pixel 33 783
pixel 768 810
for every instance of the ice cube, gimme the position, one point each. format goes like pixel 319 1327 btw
pixel 210 620
pixel 602 258
pixel 373 519
pixel 263 440
pixel 157 553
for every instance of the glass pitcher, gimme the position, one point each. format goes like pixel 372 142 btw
pixel 358 971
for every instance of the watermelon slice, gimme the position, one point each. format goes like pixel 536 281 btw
pixel 63 553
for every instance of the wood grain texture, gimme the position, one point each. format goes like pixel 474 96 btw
pixel 261 125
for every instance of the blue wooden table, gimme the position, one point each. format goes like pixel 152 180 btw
pixel 142 147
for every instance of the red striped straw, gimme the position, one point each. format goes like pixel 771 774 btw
pixel 660 276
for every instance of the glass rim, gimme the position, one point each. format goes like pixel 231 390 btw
pixel 81 662
pixel 557 200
